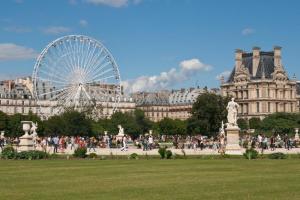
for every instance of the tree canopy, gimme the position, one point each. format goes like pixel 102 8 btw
pixel 207 114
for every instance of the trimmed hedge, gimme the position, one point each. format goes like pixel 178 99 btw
pixel 11 153
pixel 277 155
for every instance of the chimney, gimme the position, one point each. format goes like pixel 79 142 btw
pixel 277 56
pixel 238 59
pixel 255 60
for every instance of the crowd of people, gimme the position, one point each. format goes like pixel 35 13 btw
pixel 59 144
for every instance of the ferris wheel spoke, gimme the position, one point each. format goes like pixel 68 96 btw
pixel 52 78
pixel 53 91
pixel 89 55
pixel 102 67
pixel 62 93
pixel 70 52
pixel 67 60
pixel 93 66
pixel 102 73
pixel 56 74
pixel 95 61
pixel 104 78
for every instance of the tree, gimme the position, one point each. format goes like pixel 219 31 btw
pixel 14 125
pixel 127 121
pixel 3 121
pixel 255 123
pixel 144 124
pixel 172 127
pixel 76 123
pixel 208 112
pixel 280 122
pixel 69 123
pixel 54 126
pixel 242 123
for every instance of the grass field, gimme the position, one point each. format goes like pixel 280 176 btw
pixel 150 179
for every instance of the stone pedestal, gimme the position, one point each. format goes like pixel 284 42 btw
pixel 26 143
pixel 232 146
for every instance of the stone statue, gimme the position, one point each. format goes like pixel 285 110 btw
pixel 34 127
pixel 222 131
pixel 2 135
pixel 121 130
pixel 232 109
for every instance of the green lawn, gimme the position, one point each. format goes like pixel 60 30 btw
pixel 150 179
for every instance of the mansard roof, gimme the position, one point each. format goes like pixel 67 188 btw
pixel 265 68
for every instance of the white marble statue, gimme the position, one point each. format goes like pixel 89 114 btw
pixel 34 127
pixel 232 109
pixel 2 135
pixel 222 131
pixel 121 130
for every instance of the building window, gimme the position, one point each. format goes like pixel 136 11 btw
pixel 292 108
pixel 268 92
pixel 284 107
pixel 257 107
pixel 269 106
pixel 291 94
pixel 276 106
pixel 257 93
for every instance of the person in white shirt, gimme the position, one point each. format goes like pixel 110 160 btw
pixel 150 141
pixel 124 142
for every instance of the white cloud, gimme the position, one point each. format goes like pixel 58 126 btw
pixel 114 3
pixel 194 65
pixel 164 80
pixel 248 31
pixel 56 30
pixel 10 51
pixel 224 74
pixel 83 23
pixel 17 29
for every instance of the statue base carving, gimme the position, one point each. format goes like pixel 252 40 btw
pixel 26 143
pixel 232 146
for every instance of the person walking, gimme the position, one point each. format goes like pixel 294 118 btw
pixel 150 141
pixel 92 143
pixel 124 143
pixel 55 144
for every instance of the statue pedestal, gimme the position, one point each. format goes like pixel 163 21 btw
pixel 26 143
pixel 232 146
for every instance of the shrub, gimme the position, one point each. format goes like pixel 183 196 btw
pixel 277 155
pixel 251 154
pixel 93 155
pixel 8 153
pixel 32 155
pixel 134 156
pixel 168 154
pixel 162 152
pixel 80 152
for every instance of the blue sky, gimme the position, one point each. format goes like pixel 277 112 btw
pixel 148 37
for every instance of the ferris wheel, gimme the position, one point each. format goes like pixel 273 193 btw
pixel 76 72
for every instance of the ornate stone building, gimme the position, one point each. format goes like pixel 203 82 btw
pixel 175 104
pixel 261 85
